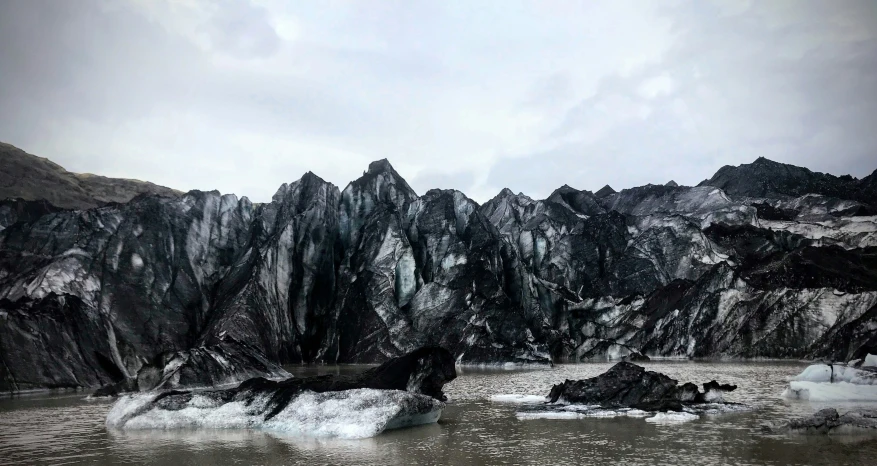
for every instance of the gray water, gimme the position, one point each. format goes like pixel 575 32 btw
pixel 66 429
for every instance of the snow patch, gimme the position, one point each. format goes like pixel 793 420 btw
pixel 136 261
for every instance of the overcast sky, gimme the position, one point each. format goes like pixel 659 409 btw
pixel 475 95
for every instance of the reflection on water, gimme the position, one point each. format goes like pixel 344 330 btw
pixel 65 429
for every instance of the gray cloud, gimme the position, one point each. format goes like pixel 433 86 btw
pixel 796 84
pixel 245 95
pixel 242 30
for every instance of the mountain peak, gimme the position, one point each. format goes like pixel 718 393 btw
pixel 312 178
pixel 566 189
pixel 605 191
pixel 767 178
pixel 35 178
pixel 309 174
pixel 672 183
pixel 766 163
pixel 377 169
pixel 380 166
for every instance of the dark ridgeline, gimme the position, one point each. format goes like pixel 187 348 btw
pixel 31 178
pixel 764 259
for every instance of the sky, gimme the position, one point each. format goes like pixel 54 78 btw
pixel 475 95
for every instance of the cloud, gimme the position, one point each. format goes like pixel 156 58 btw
pixel 242 95
pixel 793 82
pixel 653 87
pixel 242 30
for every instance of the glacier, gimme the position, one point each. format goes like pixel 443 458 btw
pixel 764 260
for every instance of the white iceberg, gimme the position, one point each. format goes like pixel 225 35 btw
pixel 830 392
pixel 672 418
pixel 833 373
pixel 549 415
pixel 357 413
pixel 516 398
pixel 835 383
pixel 594 411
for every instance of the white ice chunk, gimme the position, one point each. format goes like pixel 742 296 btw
pixel 830 392
pixel 836 373
pixel 592 411
pixel 603 413
pixel 579 408
pixel 549 415
pixel 714 396
pixel 356 413
pixel 870 361
pixel 672 418
pixel 516 398
pixel 815 373
pixel 721 408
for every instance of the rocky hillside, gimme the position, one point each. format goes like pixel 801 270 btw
pixel 32 178
pixel 766 178
pixel 88 297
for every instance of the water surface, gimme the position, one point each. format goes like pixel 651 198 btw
pixel 66 429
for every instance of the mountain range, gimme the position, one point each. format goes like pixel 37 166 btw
pixel 99 275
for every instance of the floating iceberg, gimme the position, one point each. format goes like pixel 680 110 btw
pixel 404 391
pixel 672 418
pixel 830 392
pixel 631 386
pixel 833 373
pixel 548 415
pixel 516 398
pixel 834 383
pixel 626 390
pixel 355 413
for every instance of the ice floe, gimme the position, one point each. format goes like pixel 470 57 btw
pixel 548 415
pixel 516 398
pixel 835 382
pixel 833 373
pixel 573 411
pixel 355 413
pixel 580 412
pixel 672 418
pixel 830 392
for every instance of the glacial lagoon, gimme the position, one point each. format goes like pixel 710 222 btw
pixel 478 426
